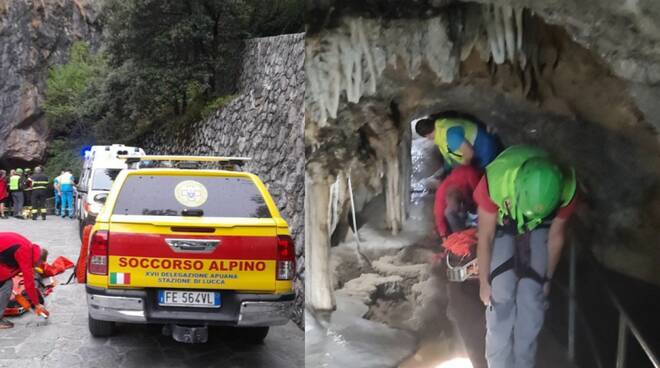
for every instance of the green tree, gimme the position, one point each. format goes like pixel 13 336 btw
pixel 63 154
pixel 269 18
pixel 164 65
pixel 176 43
pixel 68 89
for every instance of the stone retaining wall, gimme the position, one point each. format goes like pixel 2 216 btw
pixel 264 121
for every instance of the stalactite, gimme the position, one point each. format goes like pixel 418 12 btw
pixel 509 33
pixel 393 195
pixel 505 33
pixel 488 18
pixel 522 57
pixel 368 56
pixel 351 69
pixel 439 50
pixel 471 33
pixel 500 38
pixel 338 197
pixel 349 60
pixel 334 78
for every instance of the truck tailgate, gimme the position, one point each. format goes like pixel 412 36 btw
pixel 166 253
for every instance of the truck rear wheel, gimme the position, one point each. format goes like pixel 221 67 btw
pixel 100 328
pixel 252 335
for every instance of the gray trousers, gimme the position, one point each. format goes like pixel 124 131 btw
pixel 5 294
pixel 17 198
pixel 515 317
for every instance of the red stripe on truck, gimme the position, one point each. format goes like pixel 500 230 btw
pixel 230 247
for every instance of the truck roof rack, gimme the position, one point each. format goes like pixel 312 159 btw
pixel 185 162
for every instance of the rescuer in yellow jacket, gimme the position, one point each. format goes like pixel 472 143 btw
pixel 524 201
pixel 16 190
pixel 460 140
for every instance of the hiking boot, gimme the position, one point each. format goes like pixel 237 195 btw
pixel 5 324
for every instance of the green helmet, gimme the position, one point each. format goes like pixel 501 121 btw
pixel 539 185
pixel 19 171
pixel 28 170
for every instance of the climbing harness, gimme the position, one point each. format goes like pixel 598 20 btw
pixel 519 262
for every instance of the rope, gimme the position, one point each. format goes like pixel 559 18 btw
pixel 362 258
pixel 459 243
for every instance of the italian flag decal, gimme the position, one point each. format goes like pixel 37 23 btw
pixel 120 278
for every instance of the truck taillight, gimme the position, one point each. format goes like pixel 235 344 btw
pixel 286 258
pixel 98 253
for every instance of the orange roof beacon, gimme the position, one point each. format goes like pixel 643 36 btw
pixel 187 246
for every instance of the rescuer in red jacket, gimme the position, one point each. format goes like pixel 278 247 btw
pixel 453 199
pixel 18 254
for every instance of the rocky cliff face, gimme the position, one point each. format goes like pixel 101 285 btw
pixel 35 35
pixel 264 122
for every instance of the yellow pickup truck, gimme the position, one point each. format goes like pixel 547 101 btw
pixel 187 248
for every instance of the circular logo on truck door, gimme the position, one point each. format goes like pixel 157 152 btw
pixel 191 193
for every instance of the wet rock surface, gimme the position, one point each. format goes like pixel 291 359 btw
pixel 400 290
pixel 35 35
pixel 64 341
pixel 345 339
pixel 265 122
pixel 370 286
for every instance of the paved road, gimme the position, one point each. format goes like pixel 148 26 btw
pixel 64 341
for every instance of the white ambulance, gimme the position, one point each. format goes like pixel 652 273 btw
pixel 100 168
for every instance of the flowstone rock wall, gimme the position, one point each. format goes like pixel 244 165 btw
pixel 264 121
pixel 34 35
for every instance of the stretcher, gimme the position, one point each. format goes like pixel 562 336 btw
pixel 45 281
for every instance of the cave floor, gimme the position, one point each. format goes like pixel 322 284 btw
pixel 346 337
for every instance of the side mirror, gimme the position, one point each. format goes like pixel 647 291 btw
pixel 101 197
